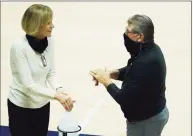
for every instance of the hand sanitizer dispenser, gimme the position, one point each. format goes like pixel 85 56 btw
pixel 68 125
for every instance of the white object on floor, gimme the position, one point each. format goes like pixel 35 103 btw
pixel 68 125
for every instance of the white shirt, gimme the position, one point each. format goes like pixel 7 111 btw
pixel 33 85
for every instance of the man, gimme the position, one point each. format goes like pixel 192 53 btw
pixel 142 95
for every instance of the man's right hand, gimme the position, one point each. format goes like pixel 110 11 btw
pixel 65 100
pixel 114 74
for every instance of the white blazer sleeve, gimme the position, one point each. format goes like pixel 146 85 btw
pixel 20 61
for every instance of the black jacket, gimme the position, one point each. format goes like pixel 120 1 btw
pixel 142 94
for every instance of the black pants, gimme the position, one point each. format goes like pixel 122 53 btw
pixel 28 122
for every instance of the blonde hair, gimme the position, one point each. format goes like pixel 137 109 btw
pixel 35 16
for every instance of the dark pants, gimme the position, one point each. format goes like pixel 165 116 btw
pixel 28 122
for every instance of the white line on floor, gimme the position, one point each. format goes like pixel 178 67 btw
pixel 91 113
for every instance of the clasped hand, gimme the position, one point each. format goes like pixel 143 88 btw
pixel 65 100
pixel 102 76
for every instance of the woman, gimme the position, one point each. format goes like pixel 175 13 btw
pixel 32 66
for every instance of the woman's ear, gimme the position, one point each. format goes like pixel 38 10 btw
pixel 42 26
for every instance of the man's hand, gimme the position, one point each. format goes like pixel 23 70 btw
pixel 114 74
pixel 101 76
pixel 65 100
pixel 95 80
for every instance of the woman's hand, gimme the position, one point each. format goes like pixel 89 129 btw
pixel 65 100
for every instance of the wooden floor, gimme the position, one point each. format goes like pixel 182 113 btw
pixel 89 36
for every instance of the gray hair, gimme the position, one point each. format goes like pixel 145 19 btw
pixel 142 24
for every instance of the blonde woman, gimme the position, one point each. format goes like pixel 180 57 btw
pixel 33 72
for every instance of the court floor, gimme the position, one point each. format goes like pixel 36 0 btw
pixel 89 35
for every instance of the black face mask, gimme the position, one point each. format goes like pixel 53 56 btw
pixel 132 47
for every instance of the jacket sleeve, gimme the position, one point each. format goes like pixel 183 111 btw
pixel 133 85
pixel 122 73
pixel 20 60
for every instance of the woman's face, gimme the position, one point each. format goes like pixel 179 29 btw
pixel 45 30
